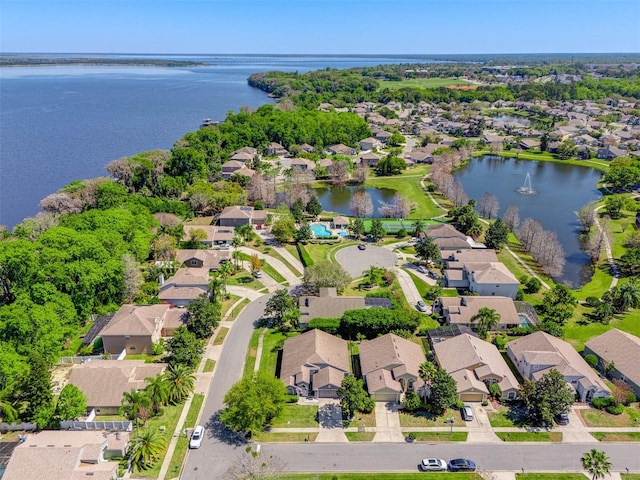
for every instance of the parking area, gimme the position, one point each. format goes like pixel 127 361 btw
pixel 356 261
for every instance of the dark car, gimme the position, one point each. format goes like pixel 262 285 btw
pixel 362 246
pixel 562 419
pixel 462 465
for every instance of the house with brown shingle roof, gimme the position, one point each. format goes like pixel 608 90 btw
pixel 67 455
pixel 230 167
pixel 390 367
pixel 208 259
pixel 536 354
pixel 479 271
pixel 186 285
pixel 475 364
pixel 104 381
pixel 327 304
pixel 369 144
pixel 622 351
pixel 460 310
pixel 135 328
pixel 274 148
pixel 238 215
pixel 446 238
pixel 314 363
pixel 340 149
pixel 214 235
pixel 370 159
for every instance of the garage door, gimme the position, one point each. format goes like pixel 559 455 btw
pixel 471 397
pixel 386 397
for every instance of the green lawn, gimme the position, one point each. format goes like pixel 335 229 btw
pixel 550 476
pixel 599 418
pixel 297 416
pixel 235 311
pixel 289 437
pixel 222 334
pixel 409 185
pixel 183 442
pixel 360 436
pixel 630 476
pixel 578 334
pixel 273 273
pixel 378 476
pixel 228 302
pixel 422 83
pixel 250 359
pixel 617 437
pixel 502 418
pixel 362 420
pixel 420 284
pixel 271 346
pixel 440 436
pixel 530 436
pixel 245 279
pixel 209 365
pixel 267 250
pixel 449 292
pixel 424 419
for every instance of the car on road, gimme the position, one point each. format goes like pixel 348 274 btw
pixel 421 306
pixel 433 465
pixel 561 419
pixel 362 246
pixel 462 465
pixel 225 246
pixel 257 273
pixel 196 437
pixel 422 269
pixel 467 413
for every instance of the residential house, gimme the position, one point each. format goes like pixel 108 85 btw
pixel 422 155
pixel 314 363
pixel 621 351
pixel 327 304
pixel 341 149
pixel 370 159
pixel 383 136
pixel 446 238
pixel 390 366
pixel 135 328
pixel 208 259
pixel 529 143
pixel 248 150
pixel 243 157
pixel 230 167
pixel 186 285
pixel 67 455
pixel 369 144
pixel 538 353
pixel 460 310
pixel 104 382
pixel 237 216
pixel 610 152
pixel 305 147
pixel 340 222
pixel 303 164
pixel 275 148
pixel 214 235
pixel 475 365
pixel 479 271
pixel 243 172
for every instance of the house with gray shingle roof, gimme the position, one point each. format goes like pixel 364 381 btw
pixel 314 363
pixel 622 351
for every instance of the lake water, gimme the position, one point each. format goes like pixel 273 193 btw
pixel 336 199
pixel 59 124
pixel 561 190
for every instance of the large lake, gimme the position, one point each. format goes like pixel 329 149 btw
pixel 59 124
pixel 337 199
pixel 561 190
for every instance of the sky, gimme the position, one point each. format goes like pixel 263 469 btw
pixel 320 26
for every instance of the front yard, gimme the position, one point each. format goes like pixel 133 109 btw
pixel 425 419
pixel 599 418
pixel 297 416
pixel 530 436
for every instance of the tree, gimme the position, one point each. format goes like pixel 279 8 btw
pixel 360 173
pixel 567 149
pixel 278 306
pixel 427 372
pixel 132 278
pixel 283 229
pixel 304 233
pixel 135 405
pixel 489 205
pixel 357 227
pixel 225 270
pixel 511 218
pixel 377 230
pixel 216 286
pixel 71 404
pixel 158 391
pixel 297 210
pixel 587 216
pixel 546 398
pixel 245 232
pixel 497 235
pixel 353 397
pixel 361 204
pixel 146 448
pixel 37 392
pixel 374 275
pixel 444 391
pixel 8 412
pixel 204 316
pixel 256 264
pixel 396 140
pixel 253 466
pixel 596 463
pixel 313 206
pixel 487 319
pixel 184 348
pixel 326 274
pixel 181 381
pixel 427 250
pixel 558 304
pixel 418 228
pixel 252 403
pixel 390 165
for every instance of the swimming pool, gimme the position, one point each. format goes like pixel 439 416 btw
pixel 319 230
pixel 342 233
pixel 524 320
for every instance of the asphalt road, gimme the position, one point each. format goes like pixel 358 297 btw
pixel 356 261
pixel 219 446
pixel 381 457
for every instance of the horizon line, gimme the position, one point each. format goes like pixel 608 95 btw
pixel 319 54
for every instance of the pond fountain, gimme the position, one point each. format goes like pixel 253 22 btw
pixel 526 188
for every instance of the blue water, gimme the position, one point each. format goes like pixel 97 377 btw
pixel 342 233
pixel 59 124
pixel 319 230
pixel 524 320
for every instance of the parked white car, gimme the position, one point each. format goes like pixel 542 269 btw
pixel 423 269
pixel 196 437
pixel 433 465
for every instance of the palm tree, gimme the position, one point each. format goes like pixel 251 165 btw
pixel 237 255
pixel 225 270
pixel 236 243
pixel 487 318
pixel 418 228
pixel 158 391
pixel 374 275
pixel 181 382
pixel 629 295
pixel 215 287
pixel 596 463
pixel 135 405
pixel 7 411
pixel 426 372
pixel 147 448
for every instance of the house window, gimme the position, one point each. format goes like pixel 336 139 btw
pixel 194 262
pixel 132 347
pixel 511 395
pixel 127 337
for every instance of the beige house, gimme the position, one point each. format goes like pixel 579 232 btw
pixel 237 216
pixel 447 238
pixel 206 259
pixel 214 235
pixel 538 353
pixel 231 167
pixel 390 366
pixel 475 364
pixel 186 285
pixel 479 271
pixel 340 222
pixel 621 350
pixel 460 310
pixel 104 381
pixel 327 304
pixel 67 455
pixel 135 328
pixel 340 149
pixel 314 363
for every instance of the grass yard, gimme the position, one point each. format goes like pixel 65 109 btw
pixel 183 442
pixel 268 250
pixel 289 437
pixel 250 359
pixel 410 187
pixel 273 273
pixel 245 279
pixel 271 347
pixel 616 437
pixel 599 418
pixel 422 83
pixel 235 311
pixel 424 419
pixel 222 334
pixel 420 284
pixel 293 250
pixel 578 334
pixel 297 416
pixel 503 418
pixel 550 476
pixel 530 436
pixel 209 365
pixel 362 420
pixel 630 476
pixel 228 302
pixel 449 292
pixel 360 436
pixel 379 476
pixel 440 437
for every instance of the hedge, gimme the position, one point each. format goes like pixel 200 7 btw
pixel 307 261
pixel 328 325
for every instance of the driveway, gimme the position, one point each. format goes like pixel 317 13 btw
pixel 356 261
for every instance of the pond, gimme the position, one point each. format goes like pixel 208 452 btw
pixel 560 191
pixel 336 199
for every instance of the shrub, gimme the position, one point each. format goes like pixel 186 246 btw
pixel 533 285
pixel 592 360
pixel 412 402
pixel 601 403
pixel 495 391
pixel 615 409
pixel 592 301
pixel 157 349
pixel 328 325
pixel 304 255
pixel 401 233
pixel 485 403
pixel 291 398
pixel 519 295
pixel 631 398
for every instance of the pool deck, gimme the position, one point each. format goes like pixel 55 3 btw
pixel 340 232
